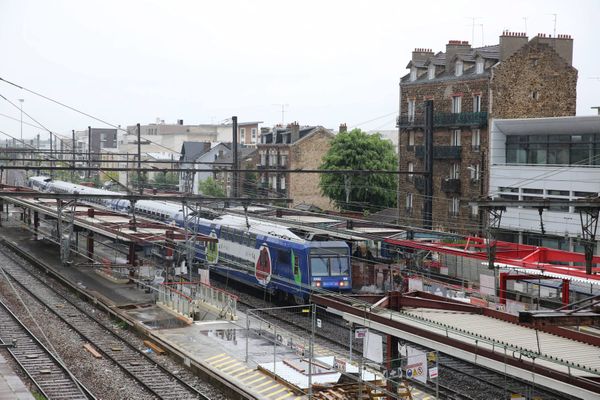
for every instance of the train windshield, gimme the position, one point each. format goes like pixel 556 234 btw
pixel 329 262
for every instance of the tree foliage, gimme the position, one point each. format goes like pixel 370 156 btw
pixel 166 180
pixel 210 187
pixel 357 150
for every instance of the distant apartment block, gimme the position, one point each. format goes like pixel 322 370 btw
pixel 289 148
pixel 517 78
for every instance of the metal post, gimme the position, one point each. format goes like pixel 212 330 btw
pixel 74 155
pixel 51 158
pixel 21 107
pixel 351 335
pixel 247 334
pixel 311 349
pixel 437 378
pixel 139 156
pixel 235 156
pixel 274 347
pixel 428 163
pixel 89 173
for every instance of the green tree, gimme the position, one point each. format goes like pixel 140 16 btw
pixel 166 180
pixel 357 150
pixel 210 187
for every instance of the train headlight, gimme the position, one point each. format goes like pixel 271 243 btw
pixel 317 283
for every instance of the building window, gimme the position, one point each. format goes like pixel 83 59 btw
pixel 411 110
pixel 474 210
pixel 411 138
pixel 454 206
pixel 413 74
pixel 477 103
pixel 283 160
pixel 456 104
pixel 479 67
pixel 411 168
pixel 458 70
pixel 553 149
pixel 431 72
pixel 253 134
pixel 273 180
pixel 535 95
pixel 282 184
pixel 272 159
pixel 455 137
pixel 455 171
pixel 409 201
pixel 475 170
pixel 263 159
pixel 475 139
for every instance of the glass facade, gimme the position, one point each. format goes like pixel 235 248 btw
pixel 553 149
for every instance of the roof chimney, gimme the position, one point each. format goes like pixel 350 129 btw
pixel 343 128
pixel 294 131
pixel 510 42
pixel 421 54
pixel 562 44
pixel 455 47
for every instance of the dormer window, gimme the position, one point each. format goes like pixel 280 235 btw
pixel 458 69
pixel 431 72
pixel 479 66
pixel 413 74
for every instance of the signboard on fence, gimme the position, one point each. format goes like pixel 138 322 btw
pixel 433 373
pixel 416 365
pixel 360 333
pixel 415 284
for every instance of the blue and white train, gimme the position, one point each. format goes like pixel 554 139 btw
pixel 254 252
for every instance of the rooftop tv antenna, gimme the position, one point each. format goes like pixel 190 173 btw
pixel 283 107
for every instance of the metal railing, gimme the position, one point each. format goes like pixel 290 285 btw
pixel 445 120
pixel 170 297
pixel 451 185
pixel 187 297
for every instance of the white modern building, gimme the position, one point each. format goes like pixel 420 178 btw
pixel 549 158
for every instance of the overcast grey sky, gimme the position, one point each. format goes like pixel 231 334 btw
pixel 204 61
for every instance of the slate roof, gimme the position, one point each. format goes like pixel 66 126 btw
pixel 469 56
pixel 190 151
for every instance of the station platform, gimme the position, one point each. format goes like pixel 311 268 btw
pixel 11 385
pixel 219 348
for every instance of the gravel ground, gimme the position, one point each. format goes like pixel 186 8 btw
pixel 103 378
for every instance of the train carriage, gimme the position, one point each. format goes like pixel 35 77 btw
pixel 257 253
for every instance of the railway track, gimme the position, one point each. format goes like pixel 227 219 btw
pixel 148 373
pixel 51 378
pixel 458 379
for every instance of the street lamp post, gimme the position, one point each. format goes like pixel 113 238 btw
pixel 21 107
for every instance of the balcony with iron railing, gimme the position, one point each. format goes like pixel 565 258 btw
pixel 419 183
pixel 440 152
pixel 451 185
pixel 474 119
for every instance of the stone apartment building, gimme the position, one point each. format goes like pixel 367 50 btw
pixel 517 78
pixel 288 148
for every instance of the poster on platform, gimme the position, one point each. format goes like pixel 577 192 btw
pixel 373 347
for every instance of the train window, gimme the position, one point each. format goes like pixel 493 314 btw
pixel 283 257
pixel 319 266
pixel 296 265
pixel 339 266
